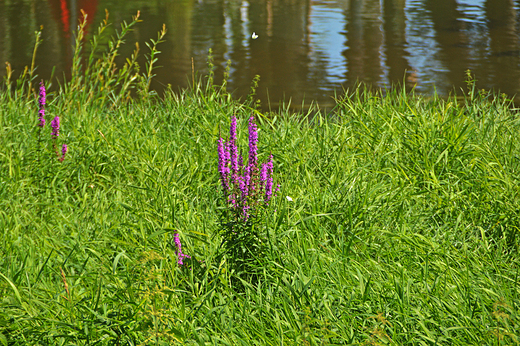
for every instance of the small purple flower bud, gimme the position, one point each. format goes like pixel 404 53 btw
pixel 55 124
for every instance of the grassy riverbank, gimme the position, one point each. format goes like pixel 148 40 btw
pixel 402 229
pixel 397 220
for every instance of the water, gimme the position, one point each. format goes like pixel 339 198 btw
pixel 306 50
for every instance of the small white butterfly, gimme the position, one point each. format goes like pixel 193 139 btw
pixel 289 198
pixel 254 36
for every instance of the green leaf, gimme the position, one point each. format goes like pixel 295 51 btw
pixel 13 287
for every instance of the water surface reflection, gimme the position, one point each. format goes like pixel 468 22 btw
pixel 305 49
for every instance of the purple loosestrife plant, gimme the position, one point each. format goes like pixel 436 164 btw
pixel 247 190
pixel 55 126
pixel 245 186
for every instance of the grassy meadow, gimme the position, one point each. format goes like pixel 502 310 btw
pixel 396 223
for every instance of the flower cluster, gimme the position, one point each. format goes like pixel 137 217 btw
pixel 55 123
pixel 180 255
pixel 246 186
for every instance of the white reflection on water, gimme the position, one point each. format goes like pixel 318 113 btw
pixel 421 46
pixel 328 40
pixel 244 16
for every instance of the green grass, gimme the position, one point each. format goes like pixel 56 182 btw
pixel 403 229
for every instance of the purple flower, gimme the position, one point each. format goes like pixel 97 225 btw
pixel 266 177
pixel 253 145
pixel 180 255
pixel 41 104
pixel 246 187
pixel 240 162
pixel 64 149
pixel 252 173
pixel 55 124
pixel 263 174
pixel 233 150
pixel 243 185
pixel 247 179
pixel 223 168
pixel 245 214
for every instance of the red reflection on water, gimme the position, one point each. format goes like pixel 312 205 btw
pixel 61 11
pixel 65 15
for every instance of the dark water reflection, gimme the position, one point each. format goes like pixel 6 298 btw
pixel 305 49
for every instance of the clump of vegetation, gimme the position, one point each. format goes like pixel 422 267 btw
pixel 401 225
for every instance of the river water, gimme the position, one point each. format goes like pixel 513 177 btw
pixel 303 50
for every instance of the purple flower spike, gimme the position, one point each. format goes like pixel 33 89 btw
pixel 55 124
pixel 243 185
pixel 180 255
pixel 41 104
pixel 268 174
pixel 247 179
pixel 64 149
pixel 240 161
pixel 264 174
pixel 223 168
pixel 233 150
pixel 253 145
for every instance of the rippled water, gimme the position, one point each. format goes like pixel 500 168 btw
pixel 305 49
